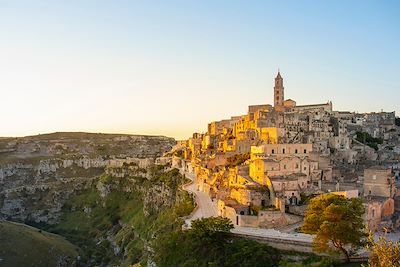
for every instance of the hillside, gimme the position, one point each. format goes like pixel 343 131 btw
pixel 38 174
pixel 116 219
pixel 103 192
pixel 30 149
pixel 22 245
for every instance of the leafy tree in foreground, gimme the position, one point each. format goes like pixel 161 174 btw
pixel 210 227
pixel 384 253
pixel 208 243
pixel 336 223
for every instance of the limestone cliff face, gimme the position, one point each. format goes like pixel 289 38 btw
pixel 39 173
pixel 115 220
pixel 143 180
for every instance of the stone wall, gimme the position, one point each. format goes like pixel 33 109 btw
pixel 271 219
pixel 281 244
pixel 248 221
pixel 298 210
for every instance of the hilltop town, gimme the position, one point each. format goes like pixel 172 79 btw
pixel 261 169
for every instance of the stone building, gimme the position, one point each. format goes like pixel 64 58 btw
pixel 280 150
pixel 379 182
pixel 242 215
pixel 217 127
pixel 379 212
pixel 288 169
pixel 379 191
pixel 327 107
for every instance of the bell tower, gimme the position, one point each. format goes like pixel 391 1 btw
pixel 278 92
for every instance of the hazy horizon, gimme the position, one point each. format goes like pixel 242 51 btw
pixel 169 68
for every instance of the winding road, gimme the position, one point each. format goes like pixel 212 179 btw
pixel 207 208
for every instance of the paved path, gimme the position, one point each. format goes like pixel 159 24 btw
pixel 292 227
pixel 205 207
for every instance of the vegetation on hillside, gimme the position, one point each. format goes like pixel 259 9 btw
pixel 312 261
pixel 118 229
pixel 397 121
pixel 237 159
pixel 208 243
pixel 368 140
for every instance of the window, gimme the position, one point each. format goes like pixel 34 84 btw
pixel 283 151
pixel 305 151
pixel 295 151
pixel 284 166
pixel 305 168
pixel 273 151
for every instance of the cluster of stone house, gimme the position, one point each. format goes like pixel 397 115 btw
pixel 260 165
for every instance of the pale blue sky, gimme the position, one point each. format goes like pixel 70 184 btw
pixel 170 67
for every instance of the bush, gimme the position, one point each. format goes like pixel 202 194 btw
pixel 187 248
pixel 397 121
pixel 368 140
pixel 237 159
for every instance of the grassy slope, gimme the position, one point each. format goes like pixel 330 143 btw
pixel 22 245
pixel 120 214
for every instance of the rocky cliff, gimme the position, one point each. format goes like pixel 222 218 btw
pixel 38 174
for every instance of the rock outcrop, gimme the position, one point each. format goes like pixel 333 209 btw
pixel 39 173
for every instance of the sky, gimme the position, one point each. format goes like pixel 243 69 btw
pixel 170 67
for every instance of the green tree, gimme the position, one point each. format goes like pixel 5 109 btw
pixel 208 243
pixel 336 223
pixel 383 253
pixel 397 121
pixel 237 159
pixel 210 227
pixel 367 139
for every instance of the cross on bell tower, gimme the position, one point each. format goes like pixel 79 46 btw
pixel 278 92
